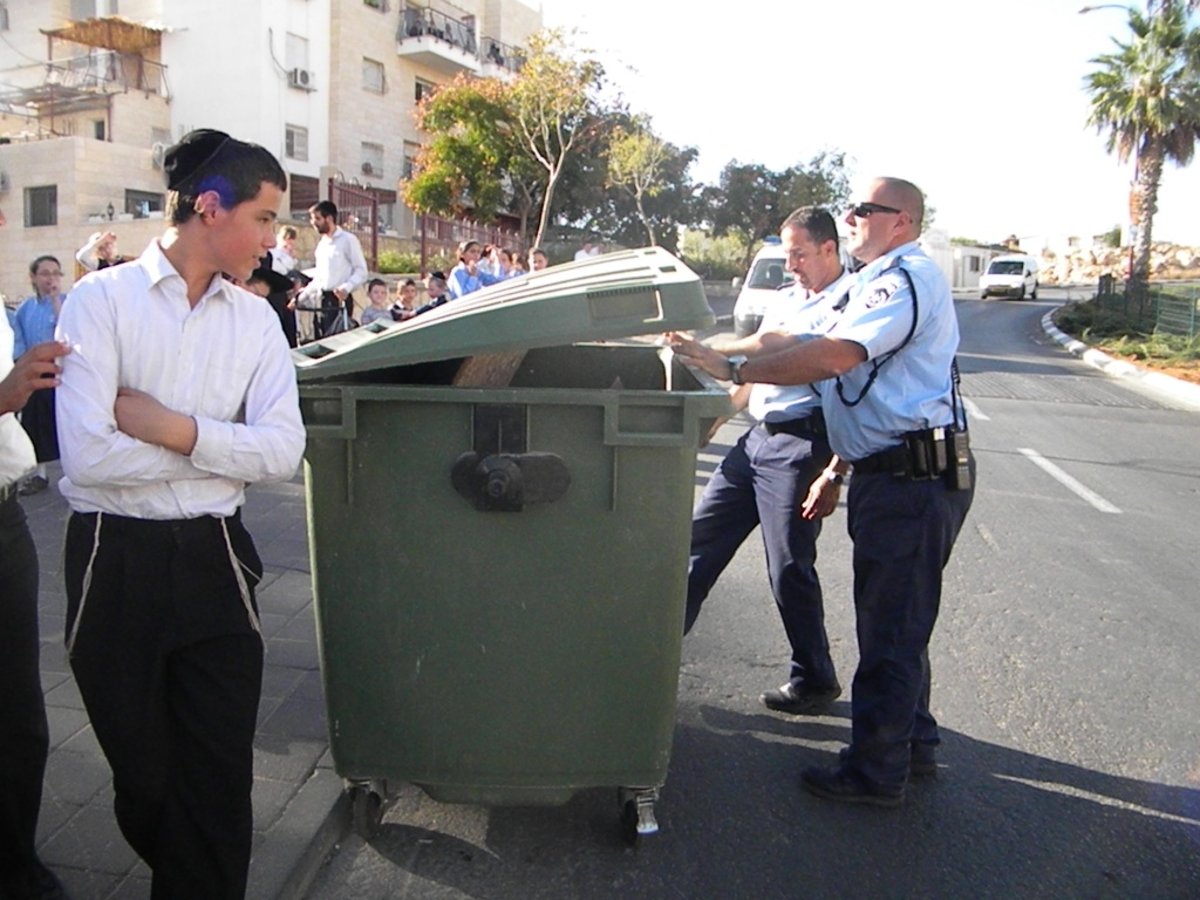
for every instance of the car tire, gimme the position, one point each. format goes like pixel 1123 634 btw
pixel 1021 293
pixel 1033 296
pixel 983 295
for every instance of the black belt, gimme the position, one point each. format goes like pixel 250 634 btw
pixel 812 425
pixel 198 525
pixel 923 456
pixel 892 461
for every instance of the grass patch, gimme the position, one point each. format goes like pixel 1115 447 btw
pixel 1117 333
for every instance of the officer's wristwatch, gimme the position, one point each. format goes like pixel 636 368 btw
pixel 735 368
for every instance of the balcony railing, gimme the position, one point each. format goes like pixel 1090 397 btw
pixel 81 83
pixel 504 55
pixel 421 22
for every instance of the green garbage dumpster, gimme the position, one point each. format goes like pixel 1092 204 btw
pixel 499 521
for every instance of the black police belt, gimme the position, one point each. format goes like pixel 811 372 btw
pixel 924 455
pixel 812 425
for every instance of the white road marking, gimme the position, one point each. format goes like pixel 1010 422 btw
pixel 1066 790
pixel 973 410
pixel 1067 481
pixel 987 536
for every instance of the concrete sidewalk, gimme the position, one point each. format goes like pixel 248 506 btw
pixel 298 811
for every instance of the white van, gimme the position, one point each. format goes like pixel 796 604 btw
pixel 1014 275
pixel 768 272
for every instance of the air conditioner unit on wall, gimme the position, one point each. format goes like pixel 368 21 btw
pixel 302 78
pixel 368 169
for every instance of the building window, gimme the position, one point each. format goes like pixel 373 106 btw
pixel 424 89
pixel 295 54
pixel 160 135
pixel 99 130
pixel 304 191
pixel 295 142
pixel 409 166
pixel 41 206
pixel 142 203
pixel 3 17
pixel 973 264
pixel 373 76
pixel 83 9
pixel 372 159
pixel 381 5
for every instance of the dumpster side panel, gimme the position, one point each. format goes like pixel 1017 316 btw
pixel 504 657
pixel 504 649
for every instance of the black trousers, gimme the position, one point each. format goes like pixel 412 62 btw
pixel 24 737
pixel 331 309
pixel 169 665
pixel 762 482
pixel 37 418
pixel 903 533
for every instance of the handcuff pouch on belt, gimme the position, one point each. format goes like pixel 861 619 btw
pixel 925 455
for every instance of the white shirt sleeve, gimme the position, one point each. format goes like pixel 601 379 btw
pixel 95 453
pixel 358 263
pixel 268 445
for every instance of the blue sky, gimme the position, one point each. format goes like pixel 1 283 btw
pixel 980 103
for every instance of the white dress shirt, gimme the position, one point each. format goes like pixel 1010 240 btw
pixel 225 363
pixel 17 458
pixel 340 265
pixel 282 261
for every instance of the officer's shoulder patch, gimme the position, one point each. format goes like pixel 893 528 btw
pixel 881 289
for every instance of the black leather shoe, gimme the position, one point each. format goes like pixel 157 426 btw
pixel 37 883
pixel 922 762
pixel 802 701
pixel 842 783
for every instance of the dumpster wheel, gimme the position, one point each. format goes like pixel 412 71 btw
pixel 637 813
pixel 366 808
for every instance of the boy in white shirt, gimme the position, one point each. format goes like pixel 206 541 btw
pixel 179 391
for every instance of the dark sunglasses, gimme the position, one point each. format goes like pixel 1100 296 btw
pixel 863 210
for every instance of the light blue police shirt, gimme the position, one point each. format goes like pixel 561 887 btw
pixel 912 389
pixel 33 323
pixel 804 316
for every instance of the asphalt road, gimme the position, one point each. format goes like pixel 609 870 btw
pixel 1065 679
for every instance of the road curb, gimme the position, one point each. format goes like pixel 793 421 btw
pixel 1175 388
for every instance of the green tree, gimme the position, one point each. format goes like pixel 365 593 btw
pixel 471 141
pixel 637 160
pixel 748 202
pixel 824 181
pixel 752 201
pixel 1146 95
pixel 554 111
pixel 587 200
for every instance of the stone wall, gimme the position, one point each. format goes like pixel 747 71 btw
pixel 1168 262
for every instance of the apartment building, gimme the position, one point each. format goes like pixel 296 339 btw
pixel 92 92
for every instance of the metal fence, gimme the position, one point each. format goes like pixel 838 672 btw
pixel 1176 308
pixel 1169 308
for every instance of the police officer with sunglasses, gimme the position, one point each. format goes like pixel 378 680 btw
pixel 889 395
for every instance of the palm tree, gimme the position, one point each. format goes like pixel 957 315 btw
pixel 1146 95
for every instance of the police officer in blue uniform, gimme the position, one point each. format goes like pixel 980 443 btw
pixel 765 478
pixel 892 410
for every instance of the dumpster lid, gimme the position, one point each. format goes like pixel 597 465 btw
pixel 622 294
